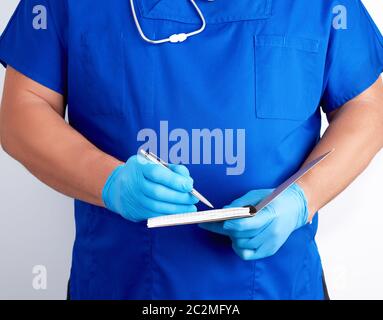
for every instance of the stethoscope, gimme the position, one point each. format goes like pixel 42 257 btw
pixel 174 38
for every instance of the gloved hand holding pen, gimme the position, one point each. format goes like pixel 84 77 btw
pixel 141 189
pixel 262 235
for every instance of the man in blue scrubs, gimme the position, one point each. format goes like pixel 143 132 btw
pixel 265 68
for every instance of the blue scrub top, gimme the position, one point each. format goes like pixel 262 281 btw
pixel 266 66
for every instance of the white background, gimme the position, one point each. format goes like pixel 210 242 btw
pixel 37 227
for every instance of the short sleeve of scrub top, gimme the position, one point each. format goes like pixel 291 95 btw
pixel 35 47
pixel 354 58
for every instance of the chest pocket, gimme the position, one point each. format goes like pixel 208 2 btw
pixel 288 77
pixel 115 80
pixel 103 77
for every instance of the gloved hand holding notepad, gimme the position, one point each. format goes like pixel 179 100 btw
pixel 231 213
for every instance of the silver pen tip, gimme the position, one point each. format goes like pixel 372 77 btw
pixel 201 198
pixel 209 204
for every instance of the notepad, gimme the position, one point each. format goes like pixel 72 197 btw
pixel 200 217
pixel 232 213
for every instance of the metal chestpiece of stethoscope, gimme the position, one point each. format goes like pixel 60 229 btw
pixel 175 38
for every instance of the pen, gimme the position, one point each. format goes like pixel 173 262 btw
pixel 152 157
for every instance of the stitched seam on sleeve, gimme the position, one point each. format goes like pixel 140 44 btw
pixel 58 34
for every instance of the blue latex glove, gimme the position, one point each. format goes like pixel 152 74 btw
pixel 261 236
pixel 141 189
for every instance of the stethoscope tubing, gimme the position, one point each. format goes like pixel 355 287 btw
pixel 175 38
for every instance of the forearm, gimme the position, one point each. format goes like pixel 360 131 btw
pixel 37 136
pixel 355 133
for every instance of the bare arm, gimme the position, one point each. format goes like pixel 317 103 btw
pixel 33 131
pixel 356 133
